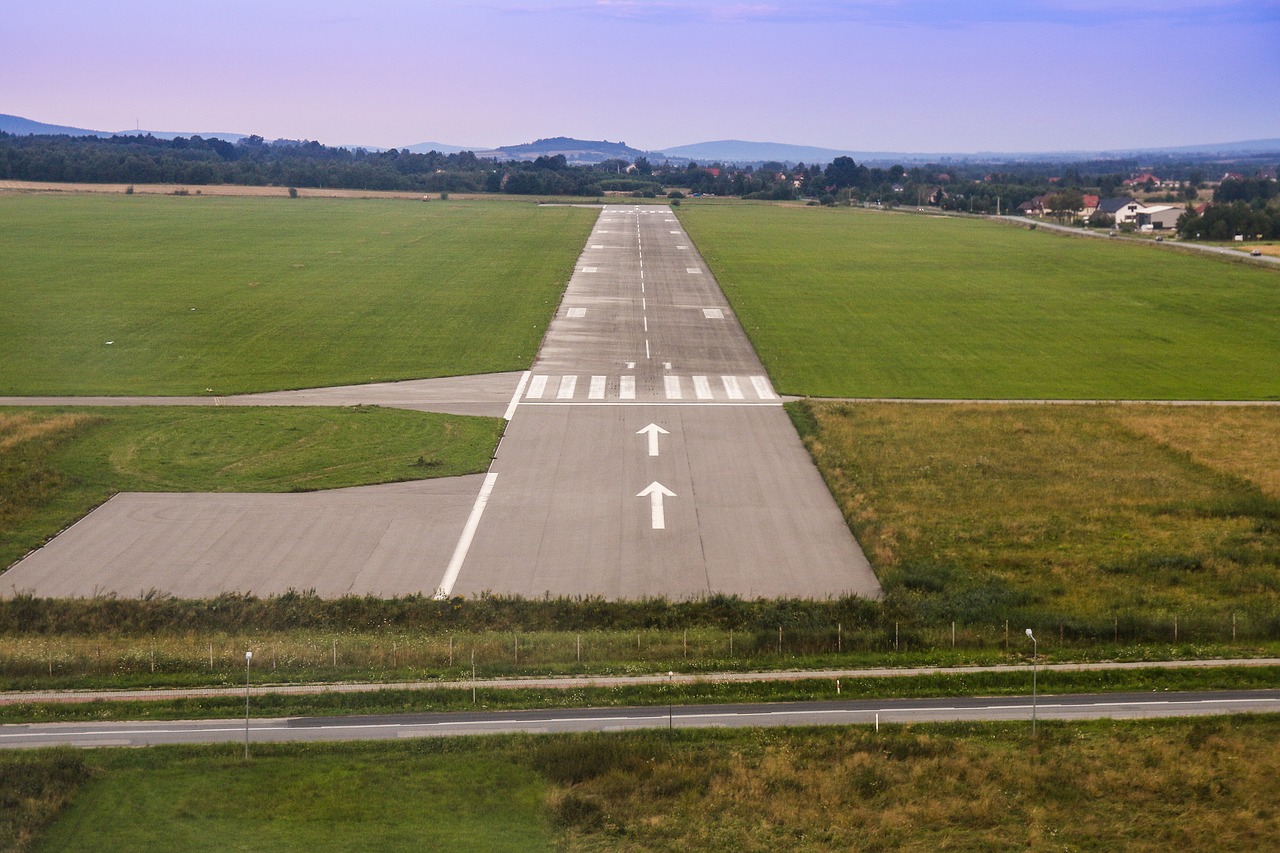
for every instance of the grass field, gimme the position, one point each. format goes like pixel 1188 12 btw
pixel 255 294
pixel 1085 514
pixel 381 797
pixel 1140 785
pixel 57 464
pixel 892 305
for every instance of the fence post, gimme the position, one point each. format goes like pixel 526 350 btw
pixel 473 651
pixel 1233 627
pixel 895 636
pixel 1175 627
pixel 730 642
pixel 686 642
pixel 839 637
pixel 779 639
pixel 335 651
pixel 953 633
pixel 579 645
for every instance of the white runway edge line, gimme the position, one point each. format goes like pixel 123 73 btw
pixel 515 398
pixel 464 542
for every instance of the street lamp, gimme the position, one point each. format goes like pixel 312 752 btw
pixel 248 656
pixel 1034 659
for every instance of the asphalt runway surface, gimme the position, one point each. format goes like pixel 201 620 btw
pixel 646 454
pixel 1117 706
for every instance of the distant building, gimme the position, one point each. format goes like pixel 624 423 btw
pixel 1122 208
pixel 1158 218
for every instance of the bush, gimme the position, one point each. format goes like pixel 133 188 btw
pixel 293 192
pixel 675 194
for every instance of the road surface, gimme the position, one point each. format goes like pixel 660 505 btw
pixel 861 712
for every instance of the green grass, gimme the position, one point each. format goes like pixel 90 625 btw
pixel 255 294
pixel 1088 516
pixel 1144 785
pixel 59 463
pixel 370 797
pixel 889 305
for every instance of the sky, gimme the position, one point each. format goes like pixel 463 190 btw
pixel 865 75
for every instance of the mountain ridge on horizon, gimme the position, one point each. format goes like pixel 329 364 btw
pixel 735 151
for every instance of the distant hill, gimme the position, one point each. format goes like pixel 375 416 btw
pixel 427 147
pixel 574 150
pixel 740 151
pixel 26 127
pixel 20 126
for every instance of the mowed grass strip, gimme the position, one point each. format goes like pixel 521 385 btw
pixel 369 797
pixel 178 295
pixel 1202 784
pixel 850 303
pixel 1089 513
pixel 58 464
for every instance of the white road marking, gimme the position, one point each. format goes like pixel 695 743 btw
pixel 731 387
pixel 675 232
pixel 693 271
pixel 763 391
pixel 468 534
pixel 682 247
pixel 536 387
pixel 646 325
pixel 631 365
pixel 515 398
pixel 627 387
pixel 644 304
pixel 666 365
pixel 673 390
pixel 577 313
pixel 701 388
pixel 567 386
pixel 646 348
pixel 596 392
pixel 712 313
pixel 590 269
pixel 655 492
pixel 653 431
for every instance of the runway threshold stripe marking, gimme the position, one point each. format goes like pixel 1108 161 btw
pixel 763 391
pixel 567 386
pixel 515 398
pixel 627 387
pixel 673 389
pixel 596 392
pixel 464 542
pixel 732 388
pixel 536 387
pixel 702 388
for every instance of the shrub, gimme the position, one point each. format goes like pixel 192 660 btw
pixel 293 192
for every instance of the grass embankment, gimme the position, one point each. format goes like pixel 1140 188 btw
pixel 57 464
pixel 1136 785
pixel 258 294
pixel 1099 517
pixel 892 305
pixel 1014 682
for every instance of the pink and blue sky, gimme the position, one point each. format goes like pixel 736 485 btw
pixel 903 75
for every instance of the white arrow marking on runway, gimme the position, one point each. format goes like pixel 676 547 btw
pixel 655 493
pixel 654 431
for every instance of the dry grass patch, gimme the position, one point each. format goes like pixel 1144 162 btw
pixel 19 427
pixel 1128 785
pixel 1088 511
pixel 1242 441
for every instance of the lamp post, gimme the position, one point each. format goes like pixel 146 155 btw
pixel 670 685
pixel 248 656
pixel 1034 667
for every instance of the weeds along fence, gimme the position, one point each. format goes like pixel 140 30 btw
pixel 195 657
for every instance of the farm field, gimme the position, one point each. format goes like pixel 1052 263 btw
pixel 1133 785
pixel 893 305
pixel 1085 515
pixel 59 463
pixel 193 295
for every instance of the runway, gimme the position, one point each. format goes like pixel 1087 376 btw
pixel 646 454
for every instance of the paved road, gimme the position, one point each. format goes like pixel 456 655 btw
pixel 862 712
pixel 647 453
pixel 455 395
